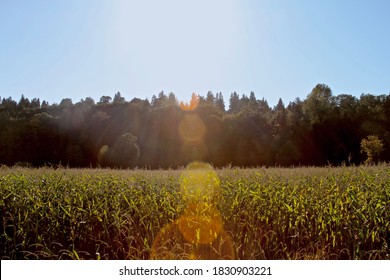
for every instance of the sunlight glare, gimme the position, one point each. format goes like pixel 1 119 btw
pixel 198 233
pixel 192 128
pixel 199 183
pixel 192 105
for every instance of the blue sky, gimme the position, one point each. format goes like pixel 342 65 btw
pixel 75 49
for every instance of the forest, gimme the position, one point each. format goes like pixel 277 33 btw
pixel 323 129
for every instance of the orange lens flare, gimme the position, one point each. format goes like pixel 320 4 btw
pixel 198 233
pixel 191 128
pixel 200 226
pixel 192 105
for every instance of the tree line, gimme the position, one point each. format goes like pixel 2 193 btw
pixel 163 133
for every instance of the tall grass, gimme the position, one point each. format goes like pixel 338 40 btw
pixel 301 213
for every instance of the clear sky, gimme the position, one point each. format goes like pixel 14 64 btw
pixel 57 49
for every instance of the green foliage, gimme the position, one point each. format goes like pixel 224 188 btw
pixel 303 213
pixel 372 146
pixel 124 153
pixel 318 104
pixel 323 129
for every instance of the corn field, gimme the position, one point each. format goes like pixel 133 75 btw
pixel 275 213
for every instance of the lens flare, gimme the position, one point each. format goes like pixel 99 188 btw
pixel 192 105
pixel 200 224
pixel 194 151
pixel 199 183
pixel 198 233
pixel 191 128
pixel 192 131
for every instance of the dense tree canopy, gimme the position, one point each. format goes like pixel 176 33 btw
pixel 322 129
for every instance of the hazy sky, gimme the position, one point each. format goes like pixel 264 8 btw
pixel 74 49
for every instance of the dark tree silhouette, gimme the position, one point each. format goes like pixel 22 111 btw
pixel 322 129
